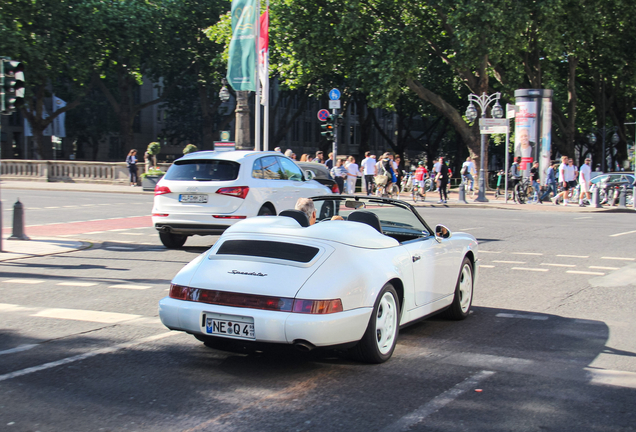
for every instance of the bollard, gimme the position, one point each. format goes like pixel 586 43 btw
pixel 622 198
pixel 18 222
pixel 462 193
pixel 596 202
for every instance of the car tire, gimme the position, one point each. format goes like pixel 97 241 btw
pixel 378 342
pixel 214 342
pixel 463 298
pixel 172 241
pixel 266 211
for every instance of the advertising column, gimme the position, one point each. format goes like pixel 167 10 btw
pixel 533 126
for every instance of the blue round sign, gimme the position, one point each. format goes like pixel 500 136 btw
pixel 323 115
pixel 334 94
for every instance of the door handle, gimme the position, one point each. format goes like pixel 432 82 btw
pixel 416 258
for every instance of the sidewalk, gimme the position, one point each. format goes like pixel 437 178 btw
pixel 38 246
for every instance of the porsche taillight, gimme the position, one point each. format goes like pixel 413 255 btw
pixel 253 301
pixel 317 306
pixel 236 191
pixel 160 190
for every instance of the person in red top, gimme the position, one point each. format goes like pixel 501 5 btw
pixel 420 174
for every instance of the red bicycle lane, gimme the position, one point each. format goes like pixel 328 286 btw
pixel 82 227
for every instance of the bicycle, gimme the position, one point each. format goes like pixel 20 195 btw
pixel 416 192
pixel 523 190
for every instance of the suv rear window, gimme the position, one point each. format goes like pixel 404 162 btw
pixel 203 170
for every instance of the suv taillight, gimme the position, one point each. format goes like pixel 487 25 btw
pixel 237 191
pixel 335 189
pixel 160 190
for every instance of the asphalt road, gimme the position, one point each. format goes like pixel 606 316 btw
pixel 549 345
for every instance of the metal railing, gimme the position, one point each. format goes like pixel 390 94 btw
pixel 68 171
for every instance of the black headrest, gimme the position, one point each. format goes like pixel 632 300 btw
pixel 366 217
pixel 298 215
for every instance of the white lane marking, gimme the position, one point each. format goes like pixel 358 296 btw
pixel 585 272
pixel 129 233
pixel 120 248
pixel 77 284
pixel 51 207
pixel 574 256
pixel 84 356
pixel 472 228
pixel 73 206
pixel 584 217
pixel 623 233
pixel 85 315
pixel 484 251
pixel 604 268
pixel 509 262
pixel 24 281
pixel 95 232
pixel 6 307
pixel 522 316
pixel 18 349
pixel 558 265
pixel 125 241
pixel 618 258
pixel 133 287
pixel 526 253
pixel 485 266
pixel 437 403
pixel 119 229
pixel 530 269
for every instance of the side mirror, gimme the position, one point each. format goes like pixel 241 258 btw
pixel 441 232
pixel 310 175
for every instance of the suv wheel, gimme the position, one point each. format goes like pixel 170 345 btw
pixel 172 241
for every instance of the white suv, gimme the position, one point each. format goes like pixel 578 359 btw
pixel 205 192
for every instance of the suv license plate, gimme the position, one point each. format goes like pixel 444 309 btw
pixel 193 198
pixel 228 325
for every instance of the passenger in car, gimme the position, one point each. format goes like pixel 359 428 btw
pixel 306 205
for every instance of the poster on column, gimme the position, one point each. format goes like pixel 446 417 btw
pixel 526 132
pixel 546 136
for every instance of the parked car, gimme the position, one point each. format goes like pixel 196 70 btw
pixel 206 192
pixel 612 177
pixel 265 280
pixel 320 173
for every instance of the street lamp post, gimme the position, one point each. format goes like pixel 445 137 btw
pixel 471 113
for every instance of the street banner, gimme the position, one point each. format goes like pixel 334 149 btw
pixel 263 57
pixel 525 132
pixel 240 69
pixel 59 129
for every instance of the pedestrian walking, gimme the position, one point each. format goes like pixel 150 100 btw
pixel 534 177
pixel 329 161
pixel 515 177
pixel 550 183
pixel 563 182
pixel 585 177
pixel 353 171
pixel 339 174
pixel 442 179
pixel 369 170
pixel 131 162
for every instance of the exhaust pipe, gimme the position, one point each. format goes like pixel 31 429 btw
pixel 303 345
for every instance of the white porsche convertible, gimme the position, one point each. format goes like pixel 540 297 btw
pixel 348 284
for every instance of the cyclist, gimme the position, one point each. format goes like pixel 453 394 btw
pixel 515 176
pixel 421 173
pixel 468 172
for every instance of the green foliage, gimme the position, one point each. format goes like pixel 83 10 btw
pixel 153 171
pixel 154 148
pixel 190 148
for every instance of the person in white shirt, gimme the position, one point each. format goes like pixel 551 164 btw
pixel 563 181
pixel 353 173
pixel 585 174
pixel 468 171
pixel 368 167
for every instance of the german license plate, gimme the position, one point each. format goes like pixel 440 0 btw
pixel 227 325
pixel 193 198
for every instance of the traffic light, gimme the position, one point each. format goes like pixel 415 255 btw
pixel 327 128
pixel 12 76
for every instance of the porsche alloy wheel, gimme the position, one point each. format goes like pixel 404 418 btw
pixel 460 308
pixel 378 342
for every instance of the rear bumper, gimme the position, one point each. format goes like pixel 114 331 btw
pixel 200 224
pixel 191 229
pixel 272 327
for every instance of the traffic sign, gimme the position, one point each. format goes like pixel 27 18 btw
pixel 334 104
pixel 334 94
pixel 323 115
